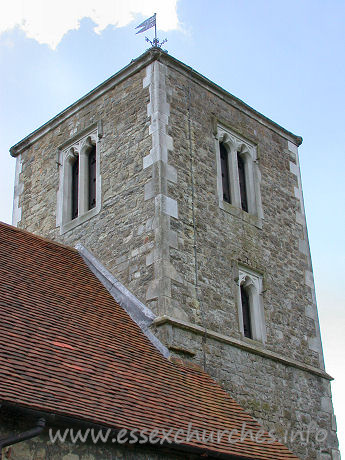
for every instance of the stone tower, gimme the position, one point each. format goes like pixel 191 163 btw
pixel 193 200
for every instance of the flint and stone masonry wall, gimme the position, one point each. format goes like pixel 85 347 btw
pixel 162 233
pixel 278 395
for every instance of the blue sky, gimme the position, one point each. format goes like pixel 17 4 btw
pixel 286 59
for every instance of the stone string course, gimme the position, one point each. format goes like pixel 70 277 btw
pixel 154 122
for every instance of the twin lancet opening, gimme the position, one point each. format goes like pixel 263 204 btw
pixel 90 179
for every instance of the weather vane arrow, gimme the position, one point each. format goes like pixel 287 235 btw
pixel 147 24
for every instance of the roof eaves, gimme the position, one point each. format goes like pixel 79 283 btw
pixel 57 419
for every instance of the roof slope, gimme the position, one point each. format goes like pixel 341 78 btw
pixel 68 348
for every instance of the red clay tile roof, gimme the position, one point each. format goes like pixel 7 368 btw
pixel 68 348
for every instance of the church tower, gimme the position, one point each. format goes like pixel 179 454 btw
pixel 193 201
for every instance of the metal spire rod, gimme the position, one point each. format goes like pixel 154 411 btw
pixel 155 41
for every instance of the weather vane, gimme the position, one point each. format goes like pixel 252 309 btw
pixel 147 24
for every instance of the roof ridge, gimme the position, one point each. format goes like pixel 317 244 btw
pixel 139 312
pixel 39 237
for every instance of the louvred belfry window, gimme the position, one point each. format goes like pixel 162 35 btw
pixel 247 329
pixel 242 181
pixel 225 172
pixel 75 187
pixel 238 176
pixel 79 196
pixel 92 177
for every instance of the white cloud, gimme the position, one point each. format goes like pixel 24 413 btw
pixel 47 21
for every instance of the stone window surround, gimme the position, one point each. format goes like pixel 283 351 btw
pixel 78 147
pixel 236 144
pixel 253 282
